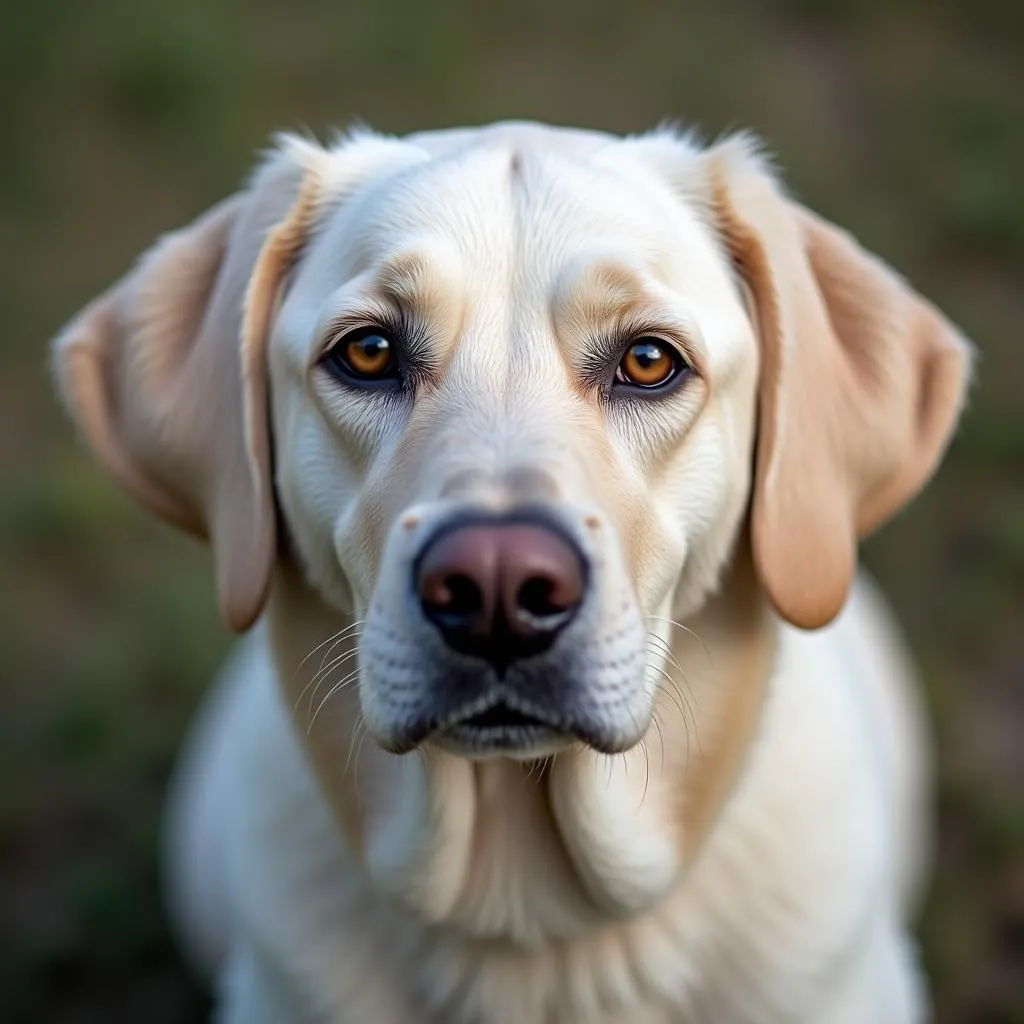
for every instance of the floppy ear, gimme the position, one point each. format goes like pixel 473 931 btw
pixel 862 382
pixel 166 374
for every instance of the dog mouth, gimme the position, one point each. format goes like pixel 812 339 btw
pixel 502 716
pixel 502 729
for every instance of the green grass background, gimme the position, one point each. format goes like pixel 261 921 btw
pixel 119 120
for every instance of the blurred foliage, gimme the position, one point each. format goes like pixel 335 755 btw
pixel 123 118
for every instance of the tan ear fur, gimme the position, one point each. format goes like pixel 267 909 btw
pixel 862 382
pixel 170 388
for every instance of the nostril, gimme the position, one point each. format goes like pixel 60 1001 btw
pixel 539 598
pixel 455 600
pixel 455 581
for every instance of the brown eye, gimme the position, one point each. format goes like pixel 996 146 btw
pixel 649 363
pixel 366 356
pixel 370 356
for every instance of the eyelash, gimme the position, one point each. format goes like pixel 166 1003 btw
pixel 384 319
pixel 411 349
pixel 599 369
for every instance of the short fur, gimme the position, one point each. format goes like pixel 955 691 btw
pixel 750 842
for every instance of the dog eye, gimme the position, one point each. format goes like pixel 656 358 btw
pixel 650 364
pixel 363 356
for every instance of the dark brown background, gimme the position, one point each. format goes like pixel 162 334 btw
pixel 119 120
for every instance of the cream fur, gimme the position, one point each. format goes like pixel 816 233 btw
pixel 752 850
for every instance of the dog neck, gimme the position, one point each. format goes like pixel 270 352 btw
pixel 530 852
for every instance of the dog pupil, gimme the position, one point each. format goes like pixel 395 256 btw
pixel 647 354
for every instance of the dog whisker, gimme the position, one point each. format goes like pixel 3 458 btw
pixel 674 693
pixel 665 675
pixel 647 777
pixel 686 629
pixel 357 727
pixel 666 651
pixel 674 662
pixel 355 627
pixel 661 737
pixel 341 633
pixel 363 733
pixel 330 693
pixel 321 675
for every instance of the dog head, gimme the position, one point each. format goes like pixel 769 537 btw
pixel 510 395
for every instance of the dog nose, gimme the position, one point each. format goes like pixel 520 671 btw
pixel 500 590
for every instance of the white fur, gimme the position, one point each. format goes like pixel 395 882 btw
pixel 475 892
pixel 790 914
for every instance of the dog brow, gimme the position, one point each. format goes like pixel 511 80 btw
pixel 426 282
pixel 406 277
pixel 603 290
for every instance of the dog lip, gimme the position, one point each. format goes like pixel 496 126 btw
pixel 503 715
pixel 476 718
pixel 530 740
pixel 503 723
pixel 510 723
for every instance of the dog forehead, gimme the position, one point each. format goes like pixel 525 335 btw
pixel 498 227
pixel 516 197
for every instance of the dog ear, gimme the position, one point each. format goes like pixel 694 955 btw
pixel 862 382
pixel 166 373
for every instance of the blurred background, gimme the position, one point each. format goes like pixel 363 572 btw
pixel 120 120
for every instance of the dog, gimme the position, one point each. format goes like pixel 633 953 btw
pixel 536 459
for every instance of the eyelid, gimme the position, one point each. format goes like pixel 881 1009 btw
pixel 608 348
pixel 367 318
pixel 413 351
pixel 674 341
pixel 681 332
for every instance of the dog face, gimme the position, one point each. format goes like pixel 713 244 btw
pixel 513 381
pixel 526 382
